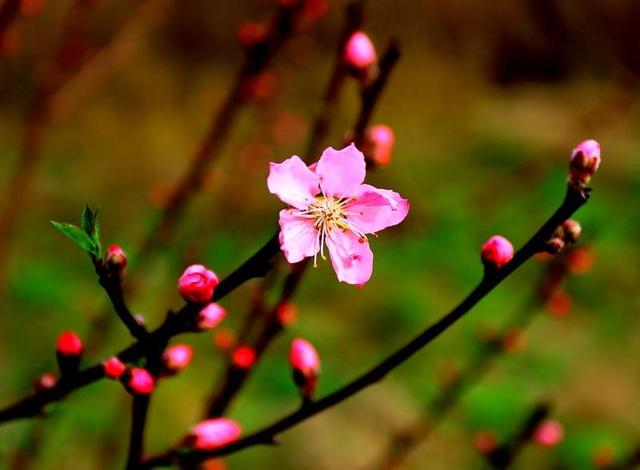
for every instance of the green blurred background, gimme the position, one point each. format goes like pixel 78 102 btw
pixel 486 103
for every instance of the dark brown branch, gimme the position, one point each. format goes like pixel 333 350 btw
pixel 257 59
pixel 8 13
pixel 572 202
pixel 140 409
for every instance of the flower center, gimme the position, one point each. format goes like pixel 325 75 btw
pixel 328 213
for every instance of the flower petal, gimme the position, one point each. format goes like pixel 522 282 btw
pixel 298 236
pixel 351 256
pixel 341 171
pixel 374 209
pixel 293 182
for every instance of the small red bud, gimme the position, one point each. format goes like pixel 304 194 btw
pixel 69 344
pixel 116 258
pixel 559 303
pixel 243 357
pixel 497 251
pixel 580 260
pixel 359 51
pixel 197 284
pixel 549 433
pixel 251 33
pixel 305 364
pixel 139 381
pixel 287 313
pixel 485 441
pixel 223 339
pixel 212 434
pixel 45 382
pixel 113 367
pixel 585 160
pixel 210 316
pixel 176 358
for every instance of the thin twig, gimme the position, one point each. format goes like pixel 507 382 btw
pixel 573 201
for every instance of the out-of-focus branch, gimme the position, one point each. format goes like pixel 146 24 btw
pixel 8 13
pixel 574 199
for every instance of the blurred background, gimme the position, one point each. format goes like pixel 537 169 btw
pixel 486 103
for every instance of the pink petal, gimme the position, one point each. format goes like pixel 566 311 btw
pixel 298 236
pixel 374 209
pixel 293 182
pixel 351 256
pixel 341 171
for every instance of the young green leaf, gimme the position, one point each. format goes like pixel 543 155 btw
pixel 77 235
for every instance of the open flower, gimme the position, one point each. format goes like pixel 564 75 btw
pixel 330 205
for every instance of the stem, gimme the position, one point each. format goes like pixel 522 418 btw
pixel 8 13
pixel 572 202
pixel 139 413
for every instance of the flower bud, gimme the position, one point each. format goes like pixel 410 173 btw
pixel 305 364
pixel 555 244
pixel 116 259
pixel 68 352
pixel 378 144
pixel 113 367
pixel 197 284
pixel 287 313
pixel 210 316
pixel 572 231
pixel 243 357
pixel 497 251
pixel 359 52
pixel 175 358
pixel 549 433
pixel 251 33
pixel 212 434
pixel 45 382
pixel 224 339
pixel 485 441
pixel 584 162
pixel 139 381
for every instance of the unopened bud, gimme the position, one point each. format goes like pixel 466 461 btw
pixel 116 258
pixel 45 382
pixel 212 434
pixel 554 245
pixel 378 145
pixel 549 433
pixel 139 381
pixel 175 358
pixel 251 33
pixel 305 365
pixel 113 367
pixel 243 357
pixel 585 160
pixel 210 316
pixel 496 252
pixel 68 352
pixel 485 441
pixel 223 339
pixel 359 52
pixel 287 313
pixel 572 231
pixel 197 284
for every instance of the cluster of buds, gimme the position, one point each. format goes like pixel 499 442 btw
pixel 378 144
pixel 69 353
pixel 197 284
pixel 584 162
pixel 567 233
pixel 137 380
pixel 305 365
pixel 496 252
pixel 212 434
pixel 360 56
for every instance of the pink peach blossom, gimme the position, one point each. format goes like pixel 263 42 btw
pixel 213 433
pixel 359 51
pixel 331 205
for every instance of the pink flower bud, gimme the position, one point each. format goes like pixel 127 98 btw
pixel 212 434
pixel 210 316
pixel 197 284
pixel 45 382
pixel 585 160
pixel 497 251
pixel 139 381
pixel 176 357
pixel 116 258
pixel 305 364
pixel 251 33
pixel 359 52
pixel 549 433
pixel 69 344
pixel 113 367
pixel 379 144
pixel 243 357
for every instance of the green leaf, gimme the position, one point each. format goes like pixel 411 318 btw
pixel 77 235
pixel 89 223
